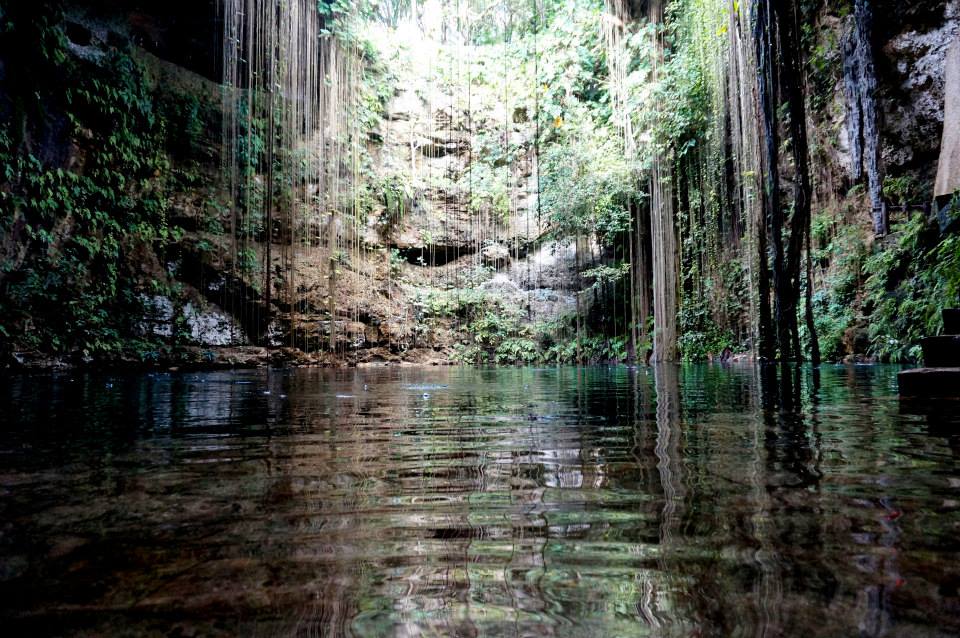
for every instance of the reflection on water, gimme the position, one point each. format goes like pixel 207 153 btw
pixel 516 502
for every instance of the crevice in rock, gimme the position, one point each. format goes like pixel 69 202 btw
pixel 433 255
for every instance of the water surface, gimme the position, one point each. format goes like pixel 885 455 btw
pixel 474 502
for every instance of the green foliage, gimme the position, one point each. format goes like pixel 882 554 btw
pixel 587 183
pixel 907 286
pixel 497 333
pixel 517 350
pixel 492 325
pixel 189 119
pixel 30 33
pixel 700 337
pixel 824 62
pixel 591 349
pixel 395 262
pixel 72 290
pixel 905 189
pixel 604 276
pixel 488 187
pixel 893 295
pixel 836 306
pixel 392 195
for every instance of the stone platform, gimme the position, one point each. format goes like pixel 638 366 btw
pixel 940 379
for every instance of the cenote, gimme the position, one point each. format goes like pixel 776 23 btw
pixel 401 318
pixel 606 501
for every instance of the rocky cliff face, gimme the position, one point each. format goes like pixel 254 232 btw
pixel 910 44
pixel 418 251
pixel 437 237
pixel 913 41
pixel 433 238
pixel 185 33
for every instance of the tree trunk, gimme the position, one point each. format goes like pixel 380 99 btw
pixel 793 94
pixel 767 79
pixel 780 72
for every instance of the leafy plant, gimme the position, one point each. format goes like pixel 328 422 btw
pixel 69 287
pixel 907 286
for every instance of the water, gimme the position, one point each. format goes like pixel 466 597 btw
pixel 512 502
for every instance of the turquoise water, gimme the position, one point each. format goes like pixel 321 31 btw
pixel 478 502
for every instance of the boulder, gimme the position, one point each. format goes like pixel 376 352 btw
pixel 211 326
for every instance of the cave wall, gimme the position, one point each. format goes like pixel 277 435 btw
pixel 913 40
pixel 910 43
pixel 178 44
pixel 183 32
pixel 176 47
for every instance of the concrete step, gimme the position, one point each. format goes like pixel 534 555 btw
pixel 941 352
pixel 951 321
pixel 941 383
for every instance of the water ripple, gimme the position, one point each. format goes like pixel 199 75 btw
pixel 522 502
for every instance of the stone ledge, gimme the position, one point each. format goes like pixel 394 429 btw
pixel 941 352
pixel 951 321
pixel 930 382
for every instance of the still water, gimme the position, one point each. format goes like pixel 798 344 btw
pixel 476 502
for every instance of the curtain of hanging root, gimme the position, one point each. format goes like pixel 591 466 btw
pixel 291 159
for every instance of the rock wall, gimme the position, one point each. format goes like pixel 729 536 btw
pixel 910 44
pixel 913 41
pixel 437 239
